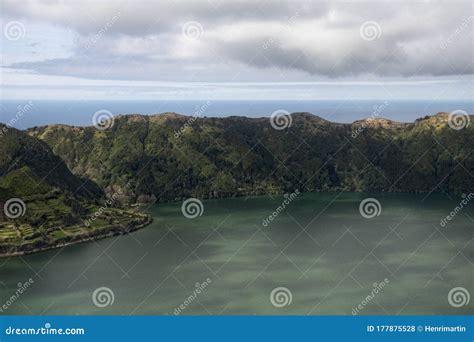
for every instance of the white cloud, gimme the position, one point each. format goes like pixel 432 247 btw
pixel 282 41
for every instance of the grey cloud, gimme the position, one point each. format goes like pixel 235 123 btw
pixel 314 38
pixel 156 16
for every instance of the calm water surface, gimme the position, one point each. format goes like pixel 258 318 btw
pixel 320 248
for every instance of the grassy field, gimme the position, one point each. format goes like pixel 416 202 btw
pixel 48 223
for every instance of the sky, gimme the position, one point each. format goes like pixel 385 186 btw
pixel 268 50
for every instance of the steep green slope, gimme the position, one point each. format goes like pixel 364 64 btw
pixel 44 205
pixel 18 150
pixel 172 156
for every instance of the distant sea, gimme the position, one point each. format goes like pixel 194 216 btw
pixel 25 114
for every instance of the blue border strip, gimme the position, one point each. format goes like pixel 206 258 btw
pixel 237 328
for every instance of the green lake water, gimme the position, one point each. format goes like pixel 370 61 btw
pixel 326 255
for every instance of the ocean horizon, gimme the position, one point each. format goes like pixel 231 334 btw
pixel 23 114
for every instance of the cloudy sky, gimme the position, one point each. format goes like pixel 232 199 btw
pixel 236 49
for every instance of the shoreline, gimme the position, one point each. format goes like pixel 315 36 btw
pixel 117 230
pixel 111 231
pixel 318 191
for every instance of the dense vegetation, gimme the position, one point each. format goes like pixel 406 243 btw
pixel 171 156
pixel 43 205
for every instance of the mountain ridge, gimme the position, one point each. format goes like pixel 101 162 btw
pixel 172 156
pixel 440 116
